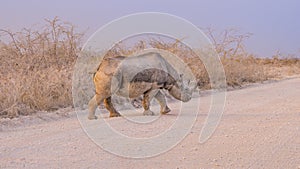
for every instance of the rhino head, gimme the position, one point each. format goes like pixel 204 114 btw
pixel 183 89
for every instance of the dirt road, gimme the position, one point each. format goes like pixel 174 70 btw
pixel 260 128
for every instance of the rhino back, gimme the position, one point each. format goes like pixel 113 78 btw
pixel 147 67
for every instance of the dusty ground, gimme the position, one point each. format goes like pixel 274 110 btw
pixel 260 128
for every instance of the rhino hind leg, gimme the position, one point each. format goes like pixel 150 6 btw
pixel 109 106
pixel 93 103
pixel 164 109
pixel 148 96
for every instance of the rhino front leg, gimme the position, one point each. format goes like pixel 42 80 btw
pixel 148 96
pixel 164 109
pixel 93 103
pixel 110 107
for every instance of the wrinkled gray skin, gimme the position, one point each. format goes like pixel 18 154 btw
pixel 134 76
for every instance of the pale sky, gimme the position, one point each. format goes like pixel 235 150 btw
pixel 275 24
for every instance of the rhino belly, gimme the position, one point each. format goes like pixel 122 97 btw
pixel 134 89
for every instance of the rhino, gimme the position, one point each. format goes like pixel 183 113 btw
pixel 143 75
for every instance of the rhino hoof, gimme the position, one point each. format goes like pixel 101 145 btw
pixel 92 117
pixel 167 110
pixel 114 115
pixel 148 113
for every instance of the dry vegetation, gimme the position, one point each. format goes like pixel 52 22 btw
pixel 36 68
pixel 36 65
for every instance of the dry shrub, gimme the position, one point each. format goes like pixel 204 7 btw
pixel 243 70
pixel 280 66
pixel 37 67
pixel 242 67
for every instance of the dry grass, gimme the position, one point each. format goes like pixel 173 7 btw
pixel 36 65
pixel 36 68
